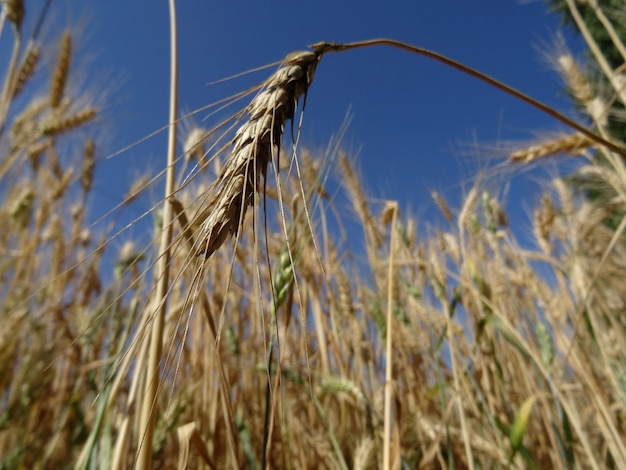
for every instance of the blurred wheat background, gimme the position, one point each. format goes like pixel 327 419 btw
pixel 505 344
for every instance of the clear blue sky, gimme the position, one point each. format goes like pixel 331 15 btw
pixel 410 115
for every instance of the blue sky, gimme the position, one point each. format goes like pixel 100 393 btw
pixel 412 118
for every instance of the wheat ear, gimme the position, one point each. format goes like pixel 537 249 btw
pixel 27 69
pixel 573 144
pixel 256 141
pixel 59 76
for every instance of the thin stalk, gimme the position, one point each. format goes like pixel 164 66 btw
pixel 325 47
pixel 457 390
pixel 3 17
pixel 388 347
pixel 7 92
pixel 595 49
pixel 148 406
pixel 609 28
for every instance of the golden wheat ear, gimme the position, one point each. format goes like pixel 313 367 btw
pixel 256 141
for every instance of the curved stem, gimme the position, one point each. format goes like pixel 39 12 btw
pixel 325 47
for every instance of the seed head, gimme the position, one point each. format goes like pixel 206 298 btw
pixel 256 141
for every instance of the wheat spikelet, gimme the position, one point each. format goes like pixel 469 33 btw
pixel 14 11
pixel 359 201
pixel 575 78
pixel 335 385
pixel 22 207
pixel 565 195
pixel 386 216
pixel 443 207
pixel 136 188
pixel 256 141
pixel 283 278
pixel 59 76
pixel 469 206
pixel 345 295
pixel 60 125
pixel 573 144
pixel 610 177
pixel 34 152
pixel 24 126
pixel 53 164
pixel 89 163
pixel 494 213
pixel 543 222
pixel 29 64
pixel 193 143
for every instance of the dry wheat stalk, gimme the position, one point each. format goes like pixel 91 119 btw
pixel 256 141
pixel 363 453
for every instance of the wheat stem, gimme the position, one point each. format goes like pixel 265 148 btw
pixel 7 92
pixel 148 406
pixel 3 17
pixel 389 348
pixel 608 26
pixel 324 47
pixel 597 53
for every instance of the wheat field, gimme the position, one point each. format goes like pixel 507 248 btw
pixel 237 323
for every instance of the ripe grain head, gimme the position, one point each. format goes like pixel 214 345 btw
pixel 256 142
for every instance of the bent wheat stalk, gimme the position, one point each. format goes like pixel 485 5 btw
pixel 325 47
pixel 258 139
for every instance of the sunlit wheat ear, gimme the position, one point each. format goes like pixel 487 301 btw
pixel 57 126
pixel 442 205
pixel 14 11
pixel 360 202
pixel 89 163
pixel 254 144
pixel 27 69
pixel 59 77
pixel 574 144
